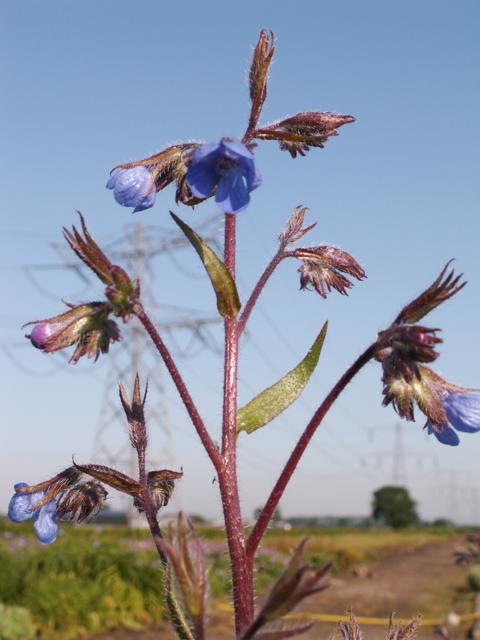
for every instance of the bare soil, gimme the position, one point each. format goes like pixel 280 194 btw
pixel 423 581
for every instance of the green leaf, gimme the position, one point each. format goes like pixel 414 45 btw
pixel 271 402
pixel 228 302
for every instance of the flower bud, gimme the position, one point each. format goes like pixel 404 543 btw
pixel 81 502
pixel 85 325
pixel 161 485
pixel 295 229
pixel 133 187
pixel 298 133
pixel 323 268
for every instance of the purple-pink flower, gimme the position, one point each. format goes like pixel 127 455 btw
pixel 226 169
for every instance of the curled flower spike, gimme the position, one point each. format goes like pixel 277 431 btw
pixel 133 187
pixel 86 325
pixel 23 506
pixel 226 169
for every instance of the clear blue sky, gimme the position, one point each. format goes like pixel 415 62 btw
pixel 89 85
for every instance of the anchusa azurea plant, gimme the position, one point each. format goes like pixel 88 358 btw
pixel 226 171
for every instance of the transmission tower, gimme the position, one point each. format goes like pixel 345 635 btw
pixel 135 250
pixel 137 354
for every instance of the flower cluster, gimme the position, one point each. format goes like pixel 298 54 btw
pixel 225 169
pixel 404 349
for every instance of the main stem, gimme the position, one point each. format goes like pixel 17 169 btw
pixel 241 567
pixel 292 462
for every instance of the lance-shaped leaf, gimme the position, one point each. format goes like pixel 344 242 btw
pixel 112 477
pixel 271 402
pixel 228 302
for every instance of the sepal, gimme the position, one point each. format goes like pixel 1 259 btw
pixel 258 76
pixel 294 229
pixel 443 288
pixel 112 477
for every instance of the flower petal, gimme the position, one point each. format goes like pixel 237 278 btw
pixel 235 149
pixel 445 434
pixel 21 504
pixel 46 527
pixel 133 187
pixel 202 177
pixel 463 410
pixel 232 193
pixel 204 150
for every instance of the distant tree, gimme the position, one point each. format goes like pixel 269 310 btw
pixel 394 506
pixel 277 517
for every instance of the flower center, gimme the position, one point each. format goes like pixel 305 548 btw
pixel 225 165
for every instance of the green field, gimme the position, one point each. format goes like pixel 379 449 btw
pixel 96 579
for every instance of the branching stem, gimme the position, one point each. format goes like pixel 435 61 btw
pixel 292 462
pixel 181 388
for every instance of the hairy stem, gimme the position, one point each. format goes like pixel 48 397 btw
pixel 277 258
pixel 242 577
pixel 292 462
pixel 197 421
pixel 175 611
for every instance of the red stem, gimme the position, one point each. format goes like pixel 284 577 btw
pixel 182 389
pixel 284 478
pixel 247 310
pixel 242 573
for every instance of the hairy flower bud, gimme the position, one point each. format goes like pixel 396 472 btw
pixel 133 187
pixel 161 484
pixel 135 415
pixel 135 184
pixel 323 268
pixel 298 133
pixel 81 502
pixel 258 76
pixel 86 325
pixel 295 229
pixel 402 347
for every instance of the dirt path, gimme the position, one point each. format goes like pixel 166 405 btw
pixel 424 580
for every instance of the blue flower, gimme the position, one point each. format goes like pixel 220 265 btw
pixel 462 409
pixel 226 168
pixel 45 519
pixel 133 187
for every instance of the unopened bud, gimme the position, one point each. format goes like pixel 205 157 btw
pixel 81 502
pixel 323 268
pixel 85 325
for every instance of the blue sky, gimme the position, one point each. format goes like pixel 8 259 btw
pixel 87 86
